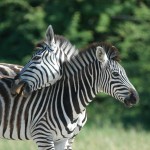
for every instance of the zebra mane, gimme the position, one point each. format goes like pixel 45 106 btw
pixel 69 49
pixel 61 39
pixel 66 45
pixel 111 51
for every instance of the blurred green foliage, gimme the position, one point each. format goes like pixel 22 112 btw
pixel 124 23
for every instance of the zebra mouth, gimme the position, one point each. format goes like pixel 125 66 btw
pixel 22 88
pixel 127 103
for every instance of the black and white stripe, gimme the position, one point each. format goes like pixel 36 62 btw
pixel 94 70
pixel 19 115
pixel 50 54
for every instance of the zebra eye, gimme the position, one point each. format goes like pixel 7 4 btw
pixel 39 47
pixel 115 73
pixel 36 58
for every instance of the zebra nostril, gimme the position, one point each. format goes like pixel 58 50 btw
pixel 134 97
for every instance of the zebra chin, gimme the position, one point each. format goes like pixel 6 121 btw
pixel 22 88
pixel 132 99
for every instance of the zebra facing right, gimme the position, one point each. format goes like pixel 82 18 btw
pixel 94 70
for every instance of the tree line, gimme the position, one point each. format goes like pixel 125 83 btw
pixel 123 23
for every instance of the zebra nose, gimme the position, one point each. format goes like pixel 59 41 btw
pixel 21 86
pixel 132 98
pixel 16 86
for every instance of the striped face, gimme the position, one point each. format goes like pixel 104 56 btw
pixel 41 71
pixel 116 83
pixel 44 68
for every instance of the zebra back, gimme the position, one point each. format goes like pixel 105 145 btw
pixel 9 70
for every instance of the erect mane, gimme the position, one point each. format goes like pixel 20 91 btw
pixel 69 49
pixel 61 39
pixel 58 38
pixel 111 51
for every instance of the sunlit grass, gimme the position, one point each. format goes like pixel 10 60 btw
pixel 17 145
pixel 105 138
pixel 112 139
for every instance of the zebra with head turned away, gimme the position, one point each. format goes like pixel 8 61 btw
pixel 95 69
pixel 19 115
pixel 51 72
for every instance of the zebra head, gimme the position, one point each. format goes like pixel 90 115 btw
pixel 44 68
pixel 113 78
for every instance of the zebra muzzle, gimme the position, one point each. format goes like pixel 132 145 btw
pixel 21 87
pixel 16 87
pixel 132 98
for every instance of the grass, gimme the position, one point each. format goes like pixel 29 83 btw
pixel 105 138
pixel 112 139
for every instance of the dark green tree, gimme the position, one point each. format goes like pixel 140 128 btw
pixel 121 22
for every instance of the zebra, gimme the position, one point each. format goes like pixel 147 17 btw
pixel 12 124
pixel 95 69
pixel 51 50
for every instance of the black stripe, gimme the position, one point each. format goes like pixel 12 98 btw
pixel 54 111
pixel 1 111
pixel 66 101
pixel 50 64
pixel 74 94
pixel 59 107
pixel 43 103
pixel 35 103
pixel 26 114
pixel 13 113
pixel 19 115
pixel 47 76
pixel 6 97
pixel 41 74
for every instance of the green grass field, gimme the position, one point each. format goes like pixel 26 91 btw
pixel 96 139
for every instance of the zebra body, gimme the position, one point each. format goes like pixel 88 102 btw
pixel 53 115
pixel 92 71
pixel 19 115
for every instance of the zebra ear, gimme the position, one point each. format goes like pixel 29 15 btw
pixel 101 55
pixel 50 35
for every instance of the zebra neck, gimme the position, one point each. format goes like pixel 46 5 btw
pixel 81 82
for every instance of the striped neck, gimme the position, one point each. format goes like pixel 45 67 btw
pixel 81 80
